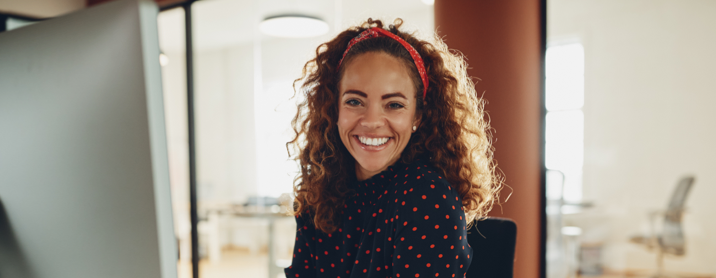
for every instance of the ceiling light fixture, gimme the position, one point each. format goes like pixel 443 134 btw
pixel 293 26
pixel 163 59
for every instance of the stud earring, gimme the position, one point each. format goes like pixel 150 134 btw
pixel 415 128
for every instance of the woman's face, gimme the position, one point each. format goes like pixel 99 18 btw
pixel 376 111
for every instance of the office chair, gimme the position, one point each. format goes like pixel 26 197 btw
pixel 670 240
pixel 493 243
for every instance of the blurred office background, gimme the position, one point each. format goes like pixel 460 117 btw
pixel 629 129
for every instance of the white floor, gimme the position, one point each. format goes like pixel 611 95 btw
pixel 235 262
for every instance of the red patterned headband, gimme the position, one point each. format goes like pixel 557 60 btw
pixel 376 32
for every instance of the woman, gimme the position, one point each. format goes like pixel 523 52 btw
pixel 395 158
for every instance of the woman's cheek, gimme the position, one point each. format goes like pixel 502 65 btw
pixel 345 119
pixel 401 123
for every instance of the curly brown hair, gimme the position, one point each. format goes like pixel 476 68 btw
pixel 453 130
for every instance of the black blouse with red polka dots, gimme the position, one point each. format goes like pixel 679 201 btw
pixel 406 221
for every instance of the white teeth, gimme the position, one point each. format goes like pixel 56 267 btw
pixel 373 141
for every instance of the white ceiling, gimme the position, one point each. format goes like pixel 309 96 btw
pixel 222 23
pixel 41 8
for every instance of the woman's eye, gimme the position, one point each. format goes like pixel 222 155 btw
pixel 395 105
pixel 353 102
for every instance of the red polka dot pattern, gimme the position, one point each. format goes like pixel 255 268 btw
pixel 363 245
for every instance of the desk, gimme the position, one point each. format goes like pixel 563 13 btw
pixel 274 269
pixel 270 214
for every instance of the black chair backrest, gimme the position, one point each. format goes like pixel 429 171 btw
pixel 493 244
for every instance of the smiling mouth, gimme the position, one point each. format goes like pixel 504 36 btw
pixel 374 142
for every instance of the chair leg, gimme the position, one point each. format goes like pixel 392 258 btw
pixel 660 266
pixel 659 263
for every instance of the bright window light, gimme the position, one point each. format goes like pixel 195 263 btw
pixel 565 77
pixel 565 140
pixel 564 134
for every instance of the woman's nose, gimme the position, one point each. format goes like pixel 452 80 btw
pixel 373 118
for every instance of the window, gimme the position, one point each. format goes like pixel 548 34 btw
pixel 564 150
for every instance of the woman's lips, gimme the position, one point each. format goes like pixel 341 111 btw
pixel 372 148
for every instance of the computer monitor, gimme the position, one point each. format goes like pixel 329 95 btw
pixel 84 178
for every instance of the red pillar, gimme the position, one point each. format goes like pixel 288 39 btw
pixel 503 41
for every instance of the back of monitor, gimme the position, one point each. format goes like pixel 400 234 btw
pixel 84 182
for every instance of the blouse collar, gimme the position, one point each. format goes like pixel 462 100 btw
pixel 374 185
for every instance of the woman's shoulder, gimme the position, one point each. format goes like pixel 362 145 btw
pixel 304 221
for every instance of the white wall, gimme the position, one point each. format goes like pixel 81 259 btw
pixel 226 157
pixel 650 68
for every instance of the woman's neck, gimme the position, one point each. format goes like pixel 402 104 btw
pixel 363 174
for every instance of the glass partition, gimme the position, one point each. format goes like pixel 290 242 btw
pixel 173 61
pixel 629 138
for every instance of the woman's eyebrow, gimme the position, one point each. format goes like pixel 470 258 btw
pixel 356 92
pixel 398 94
pixel 386 96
